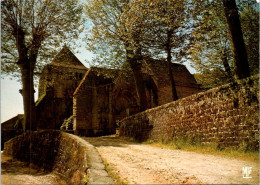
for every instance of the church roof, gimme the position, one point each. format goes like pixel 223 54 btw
pixel 10 124
pixel 66 58
pixel 159 70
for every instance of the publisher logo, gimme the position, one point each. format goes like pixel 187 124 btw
pixel 246 172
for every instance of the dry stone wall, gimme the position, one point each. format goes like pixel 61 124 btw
pixel 52 150
pixel 73 158
pixel 227 115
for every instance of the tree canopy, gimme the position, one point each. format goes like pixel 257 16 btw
pixel 198 30
pixel 107 36
pixel 211 46
pixel 110 30
pixel 133 30
pixel 45 25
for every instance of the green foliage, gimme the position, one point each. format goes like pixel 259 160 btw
pixel 85 179
pixel 150 21
pixel 213 148
pixel 250 27
pixel 211 42
pixel 120 26
pixel 129 25
pixel 117 179
pixel 107 36
pixel 30 29
pixel 212 78
pixel 46 24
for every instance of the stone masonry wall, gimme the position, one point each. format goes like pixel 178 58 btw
pixel 52 150
pixel 228 115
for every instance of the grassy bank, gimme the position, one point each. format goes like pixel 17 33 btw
pixel 212 149
pixel 111 172
pixel 242 152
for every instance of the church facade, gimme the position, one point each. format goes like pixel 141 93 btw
pixel 94 102
pixel 98 102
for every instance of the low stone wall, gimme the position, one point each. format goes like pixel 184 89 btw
pixel 52 150
pixel 228 115
pixel 9 134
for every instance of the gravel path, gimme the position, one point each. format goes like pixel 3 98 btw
pixel 17 172
pixel 143 164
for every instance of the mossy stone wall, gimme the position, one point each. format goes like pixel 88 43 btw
pixel 228 115
pixel 52 150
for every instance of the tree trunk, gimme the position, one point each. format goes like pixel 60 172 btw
pixel 139 82
pixel 169 58
pixel 26 66
pixel 226 66
pixel 241 67
pixel 28 96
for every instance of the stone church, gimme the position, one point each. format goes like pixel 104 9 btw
pixel 67 88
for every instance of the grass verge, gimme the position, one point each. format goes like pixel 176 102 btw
pixel 111 172
pixel 211 149
pixel 240 153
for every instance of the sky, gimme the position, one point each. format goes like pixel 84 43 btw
pixel 11 100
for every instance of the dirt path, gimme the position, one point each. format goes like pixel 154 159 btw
pixel 143 164
pixel 17 172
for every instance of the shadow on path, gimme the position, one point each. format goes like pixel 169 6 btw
pixel 17 172
pixel 15 167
